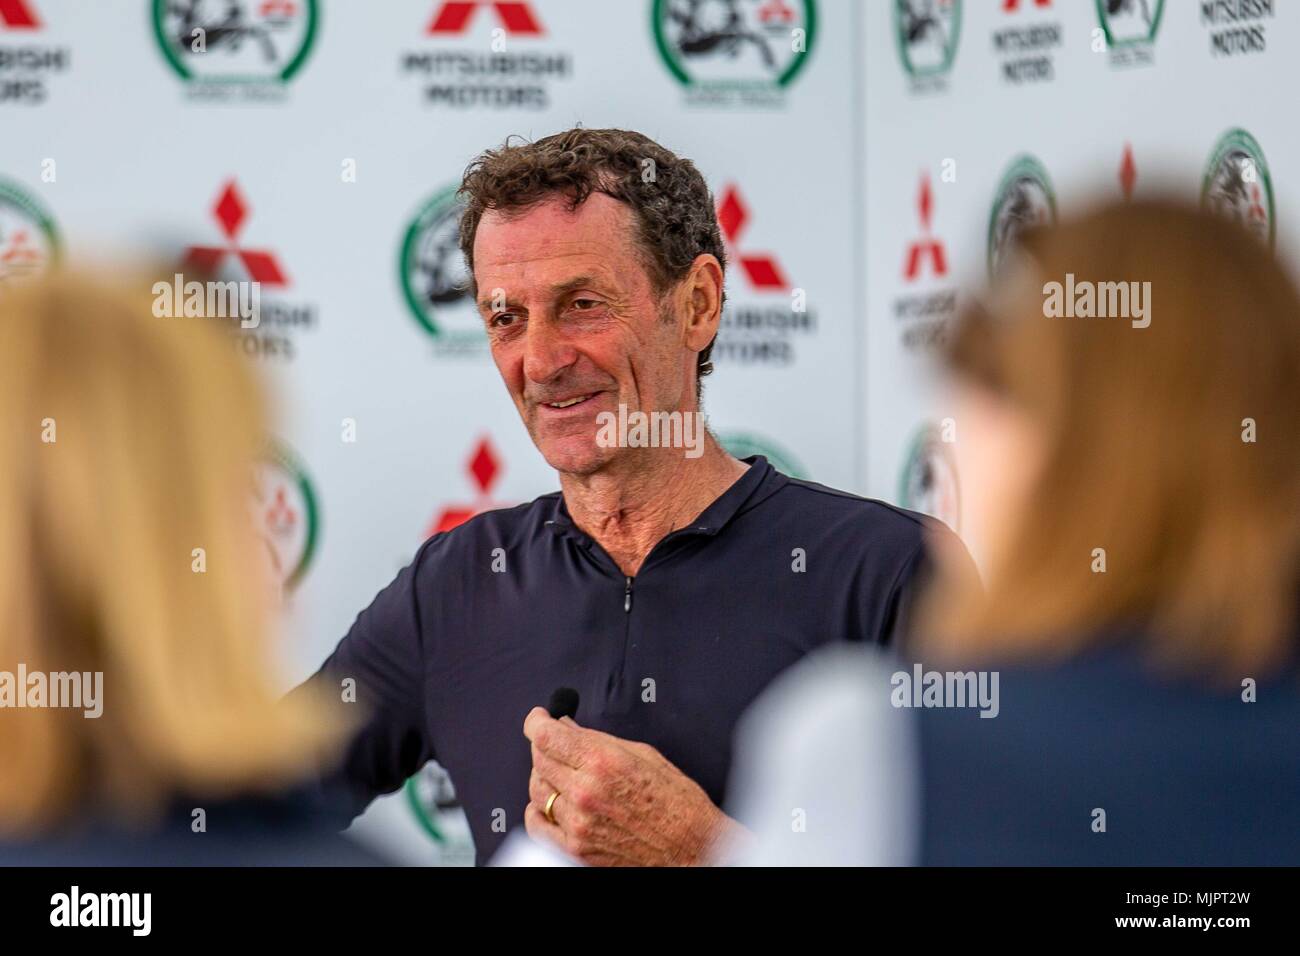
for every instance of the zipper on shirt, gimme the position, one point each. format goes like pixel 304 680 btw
pixel 627 580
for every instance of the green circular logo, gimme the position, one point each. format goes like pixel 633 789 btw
pixel 1237 184
pixel 744 444
pixel 731 43
pixel 1129 22
pixel 435 281
pixel 927 36
pixel 929 483
pixel 286 513
pixel 236 41
pixel 1024 199
pixel 431 798
pixel 29 240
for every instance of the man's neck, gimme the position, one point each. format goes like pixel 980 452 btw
pixel 629 513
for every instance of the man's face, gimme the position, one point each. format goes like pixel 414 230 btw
pixel 575 326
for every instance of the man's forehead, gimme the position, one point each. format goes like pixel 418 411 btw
pixel 600 227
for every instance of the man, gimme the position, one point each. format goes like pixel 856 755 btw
pixel 667 585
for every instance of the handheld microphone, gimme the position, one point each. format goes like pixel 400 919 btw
pixel 564 702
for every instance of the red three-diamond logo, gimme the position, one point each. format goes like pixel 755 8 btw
pixel 1010 6
pixel 280 517
pixel 18 15
pixel 230 211
pixel 1127 171
pixel 775 10
pixel 18 251
pixel 484 467
pixel 925 247
pixel 454 16
pixel 762 270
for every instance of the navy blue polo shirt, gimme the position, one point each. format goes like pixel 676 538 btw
pixel 492 616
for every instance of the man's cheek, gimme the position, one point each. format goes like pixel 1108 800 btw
pixel 510 368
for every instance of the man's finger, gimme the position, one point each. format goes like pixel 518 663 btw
pixel 561 776
pixel 554 738
pixel 539 828
pixel 533 720
pixel 540 790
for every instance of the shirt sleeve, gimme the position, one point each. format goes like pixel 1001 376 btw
pixel 939 547
pixel 382 654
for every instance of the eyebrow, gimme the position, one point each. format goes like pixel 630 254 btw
pixel 556 291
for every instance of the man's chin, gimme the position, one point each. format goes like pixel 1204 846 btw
pixel 575 456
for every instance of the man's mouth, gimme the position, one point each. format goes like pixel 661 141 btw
pixel 570 402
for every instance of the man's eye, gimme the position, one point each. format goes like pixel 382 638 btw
pixel 501 321
pixel 585 305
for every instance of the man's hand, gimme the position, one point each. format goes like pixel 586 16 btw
pixel 621 802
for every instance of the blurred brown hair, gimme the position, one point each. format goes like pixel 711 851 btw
pixel 157 423
pixel 1144 452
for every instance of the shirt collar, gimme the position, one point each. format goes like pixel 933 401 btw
pixel 710 521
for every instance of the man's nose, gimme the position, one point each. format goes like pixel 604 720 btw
pixel 547 351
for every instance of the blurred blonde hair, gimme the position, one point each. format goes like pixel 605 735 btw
pixel 157 426
pixel 1144 453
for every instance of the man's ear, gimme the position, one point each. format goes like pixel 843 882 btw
pixel 702 292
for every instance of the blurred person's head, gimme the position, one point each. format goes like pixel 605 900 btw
pixel 1160 447
pixel 597 265
pixel 127 442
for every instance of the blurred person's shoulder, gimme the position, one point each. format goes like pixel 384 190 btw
pixel 1171 767
pixel 839 684
pixel 284 829
pixel 1118 673
pixel 823 769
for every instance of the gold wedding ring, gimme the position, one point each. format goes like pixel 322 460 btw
pixel 550 806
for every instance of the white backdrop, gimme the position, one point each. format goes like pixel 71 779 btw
pixel 322 137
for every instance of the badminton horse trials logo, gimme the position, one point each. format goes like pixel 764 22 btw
pixel 927 32
pixel 734 52
pixel 29 240
pixel 1237 184
pixel 435 280
pixel 1130 28
pixel 1024 199
pixel 928 483
pixel 285 513
pixel 218 46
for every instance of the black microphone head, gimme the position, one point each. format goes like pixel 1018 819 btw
pixel 564 702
